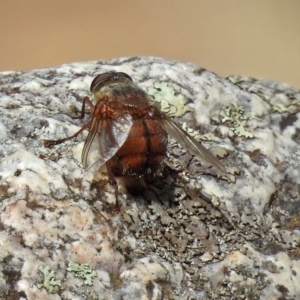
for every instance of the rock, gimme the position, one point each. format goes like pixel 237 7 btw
pixel 191 235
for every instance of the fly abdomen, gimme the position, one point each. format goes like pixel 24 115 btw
pixel 143 151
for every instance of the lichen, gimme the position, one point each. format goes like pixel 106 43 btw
pixel 49 282
pixel 196 134
pixel 275 105
pixel 82 271
pixel 242 82
pixel 294 98
pixel 235 117
pixel 241 131
pixel 175 105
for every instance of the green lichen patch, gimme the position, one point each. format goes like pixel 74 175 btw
pixel 82 271
pixel 193 133
pixel 175 105
pixel 235 117
pixel 49 282
pixel 275 105
pixel 249 85
pixel 295 106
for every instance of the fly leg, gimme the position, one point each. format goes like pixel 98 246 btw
pixel 83 110
pixel 50 143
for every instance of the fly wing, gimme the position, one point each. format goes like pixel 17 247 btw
pixel 106 136
pixel 187 141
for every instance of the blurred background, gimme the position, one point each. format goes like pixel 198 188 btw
pixel 256 38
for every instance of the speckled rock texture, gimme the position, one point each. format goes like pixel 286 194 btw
pixel 190 235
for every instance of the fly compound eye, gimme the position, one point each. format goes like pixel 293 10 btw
pixel 104 77
pixel 100 79
pixel 124 75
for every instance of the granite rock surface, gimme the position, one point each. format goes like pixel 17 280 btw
pixel 190 235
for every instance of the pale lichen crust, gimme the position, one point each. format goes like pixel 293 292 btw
pixel 172 103
pixel 82 271
pixel 53 285
pixel 235 118
pixel 275 100
pixel 49 281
